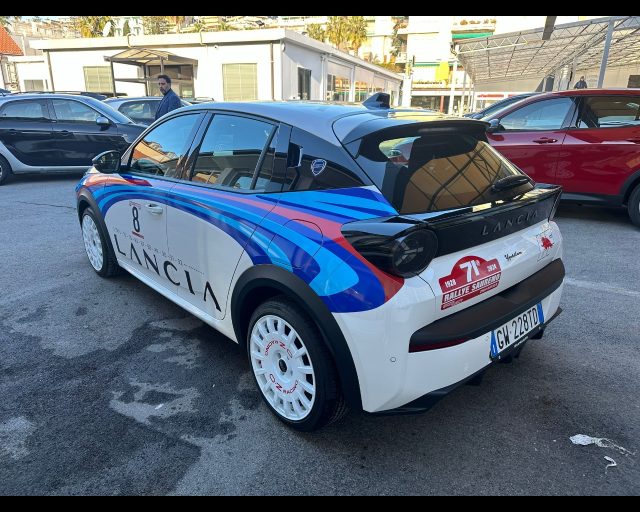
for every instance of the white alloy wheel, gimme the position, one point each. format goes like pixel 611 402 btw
pixel 92 242
pixel 282 367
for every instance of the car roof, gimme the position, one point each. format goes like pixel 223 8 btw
pixel 47 95
pixel 122 99
pixel 319 118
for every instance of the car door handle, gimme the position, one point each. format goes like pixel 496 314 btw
pixel 155 209
pixel 65 133
pixel 635 141
pixel 545 140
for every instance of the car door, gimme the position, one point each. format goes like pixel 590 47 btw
pixel 602 147
pixel 221 203
pixel 77 136
pixel 26 132
pixel 531 136
pixel 138 199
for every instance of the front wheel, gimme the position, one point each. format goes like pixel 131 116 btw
pixel 633 207
pixel 98 250
pixel 292 367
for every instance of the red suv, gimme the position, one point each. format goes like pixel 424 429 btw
pixel 588 141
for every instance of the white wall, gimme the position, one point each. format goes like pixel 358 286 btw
pixel 32 70
pixel 208 80
pixel 295 57
pixel 67 68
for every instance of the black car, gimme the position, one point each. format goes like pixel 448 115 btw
pixel 498 105
pixel 42 133
pixel 141 109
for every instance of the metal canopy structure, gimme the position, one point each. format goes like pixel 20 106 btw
pixel 146 57
pixel 143 58
pixel 527 54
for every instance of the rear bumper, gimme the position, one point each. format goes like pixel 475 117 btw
pixel 489 314
pixel 427 401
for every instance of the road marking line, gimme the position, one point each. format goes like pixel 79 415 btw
pixel 601 287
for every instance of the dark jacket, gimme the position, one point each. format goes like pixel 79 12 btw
pixel 169 102
pixel 580 84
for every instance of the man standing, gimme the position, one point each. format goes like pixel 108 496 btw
pixel 580 84
pixel 170 101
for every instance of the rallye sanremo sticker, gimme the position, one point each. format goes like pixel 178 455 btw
pixel 471 276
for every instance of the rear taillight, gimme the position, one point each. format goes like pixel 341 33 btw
pixel 405 254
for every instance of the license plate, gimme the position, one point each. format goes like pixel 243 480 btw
pixel 514 332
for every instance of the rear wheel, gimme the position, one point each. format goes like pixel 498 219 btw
pixel 5 170
pixel 292 367
pixel 99 253
pixel 634 206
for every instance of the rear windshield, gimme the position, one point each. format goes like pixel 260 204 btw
pixel 427 173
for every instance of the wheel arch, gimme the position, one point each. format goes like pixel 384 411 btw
pixel 629 186
pixel 85 200
pixel 262 282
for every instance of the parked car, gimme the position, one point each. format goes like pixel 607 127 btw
pixel 141 110
pixel 499 105
pixel 44 133
pixel 587 141
pixel 199 99
pixel 350 279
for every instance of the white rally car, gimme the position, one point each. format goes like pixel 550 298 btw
pixel 365 256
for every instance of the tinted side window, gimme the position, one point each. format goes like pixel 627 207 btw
pixel 231 150
pixel 25 110
pixel 315 164
pixel 542 115
pixel 161 149
pixel 69 110
pixel 140 110
pixel 608 111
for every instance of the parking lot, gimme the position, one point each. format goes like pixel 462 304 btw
pixel 106 387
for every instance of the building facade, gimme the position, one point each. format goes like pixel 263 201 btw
pixel 227 66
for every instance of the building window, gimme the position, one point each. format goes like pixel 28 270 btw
pixel 338 88
pixel 304 84
pixel 33 85
pixel 362 91
pixel 240 82
pixel 98 79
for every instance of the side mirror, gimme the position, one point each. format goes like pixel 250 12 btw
pixel 495 126
pixel 103 121
pixel 107 162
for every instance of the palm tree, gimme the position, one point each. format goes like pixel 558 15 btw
pixel 315 31
pixel 347 31
pixel 177 21
pixel 356 31
pixel 5 21
pixel 92 26
pixel 337 30
pixel 154 24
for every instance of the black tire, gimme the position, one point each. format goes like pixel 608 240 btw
pixel 328 403
pixel 633 206
pixel 5 170
pixel 109 265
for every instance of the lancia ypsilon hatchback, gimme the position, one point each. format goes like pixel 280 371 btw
pixel 352 276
